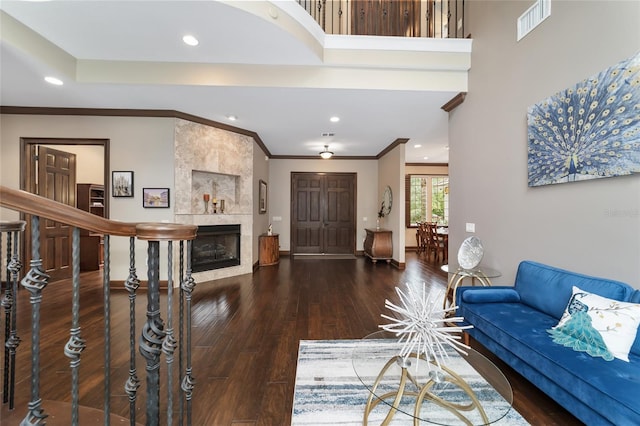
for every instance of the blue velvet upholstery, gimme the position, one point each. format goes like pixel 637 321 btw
pixel 597 392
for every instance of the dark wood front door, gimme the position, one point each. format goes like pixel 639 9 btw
pixel 56 180
pixel 323 213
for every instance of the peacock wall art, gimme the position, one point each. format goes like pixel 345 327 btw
pixel 588 131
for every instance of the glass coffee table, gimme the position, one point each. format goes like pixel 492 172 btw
pixel 465 389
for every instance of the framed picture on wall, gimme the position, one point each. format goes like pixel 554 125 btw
pixel 262 197
pixel 122 184
pixel 155 198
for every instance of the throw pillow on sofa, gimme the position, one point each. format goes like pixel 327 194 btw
pixel 598 325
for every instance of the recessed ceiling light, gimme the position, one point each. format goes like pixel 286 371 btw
pixel 190 40
pixel 232 117
pixel 417 145
pixel 334 119
pixel 53 80
pixel 425 158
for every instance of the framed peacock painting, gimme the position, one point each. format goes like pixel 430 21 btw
pixel 588 131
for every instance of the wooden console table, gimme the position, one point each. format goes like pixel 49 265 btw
pixel 269 253
pixel 378 245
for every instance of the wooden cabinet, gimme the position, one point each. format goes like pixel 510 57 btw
pixel 269 250
pixel 90 198
pixel 378 245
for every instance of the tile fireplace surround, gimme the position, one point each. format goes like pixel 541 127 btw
pixel 219 163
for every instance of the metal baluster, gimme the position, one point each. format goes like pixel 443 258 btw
pixel 152 335
pixel 169 344
pixel 76 344
pixel 7 304
pixel 35 281
pixel 181 331
pixel 106 290
pixel 132 284
pixel 188 286
pixel 14 341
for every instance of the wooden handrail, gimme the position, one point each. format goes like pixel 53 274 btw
pixel 28 203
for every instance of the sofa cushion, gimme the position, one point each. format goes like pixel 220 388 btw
pixel 508 295
pixel 548 289
pixel 608 388
pixel 599 321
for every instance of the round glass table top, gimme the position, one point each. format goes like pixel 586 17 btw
pixel 464 388
pixel 478 271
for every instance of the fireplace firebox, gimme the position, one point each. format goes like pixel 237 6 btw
pixel 215 247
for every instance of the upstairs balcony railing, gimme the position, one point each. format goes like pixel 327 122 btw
pixel 404 18
pixel 158 339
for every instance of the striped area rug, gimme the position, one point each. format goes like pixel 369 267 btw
pixel 328 392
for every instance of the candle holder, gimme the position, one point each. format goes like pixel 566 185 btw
pixel 221 206
pixel 215 207
pixel 205 197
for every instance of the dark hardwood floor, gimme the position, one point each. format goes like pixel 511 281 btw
pixel 246 332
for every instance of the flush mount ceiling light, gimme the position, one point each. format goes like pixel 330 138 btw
pixel 232 117
pixel 334 119
pixel 190 40
pixel 54 81
pixel 417 145
pixel 326 154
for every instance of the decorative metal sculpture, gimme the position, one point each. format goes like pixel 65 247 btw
pixel 423 326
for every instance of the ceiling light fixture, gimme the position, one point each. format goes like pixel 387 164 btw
pixel 334 119
pixel 232 117
pixel 417 145
pixel 53 80
pixel 190 40
pixel 326 154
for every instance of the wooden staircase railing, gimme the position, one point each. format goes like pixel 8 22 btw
pixel 155 338
pixel 405 18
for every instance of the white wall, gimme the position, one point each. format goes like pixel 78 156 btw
pixel 591 227
pixel 280 192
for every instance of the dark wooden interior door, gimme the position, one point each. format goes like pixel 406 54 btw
pixel 323 213
pixel 56 180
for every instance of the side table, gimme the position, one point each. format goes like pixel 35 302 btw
pixel 378 245
pixel 269 249
pixel 479 274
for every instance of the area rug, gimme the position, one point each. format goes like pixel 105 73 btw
pixel 328 392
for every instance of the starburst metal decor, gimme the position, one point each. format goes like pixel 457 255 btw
pixel 589 131
pixel 423 327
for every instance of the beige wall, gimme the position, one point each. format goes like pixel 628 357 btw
pixel 391 170
pixel 144 145
pixel 280 192
pixel 260 221
pixel 592 227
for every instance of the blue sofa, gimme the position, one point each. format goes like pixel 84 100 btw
pixel 513 323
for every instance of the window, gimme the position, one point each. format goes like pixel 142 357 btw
pixel 428 199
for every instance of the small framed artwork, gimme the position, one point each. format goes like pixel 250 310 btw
pixel 262 197
pixel 155 198
pixel 122 184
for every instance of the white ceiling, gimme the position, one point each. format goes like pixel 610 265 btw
pixel 264 69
